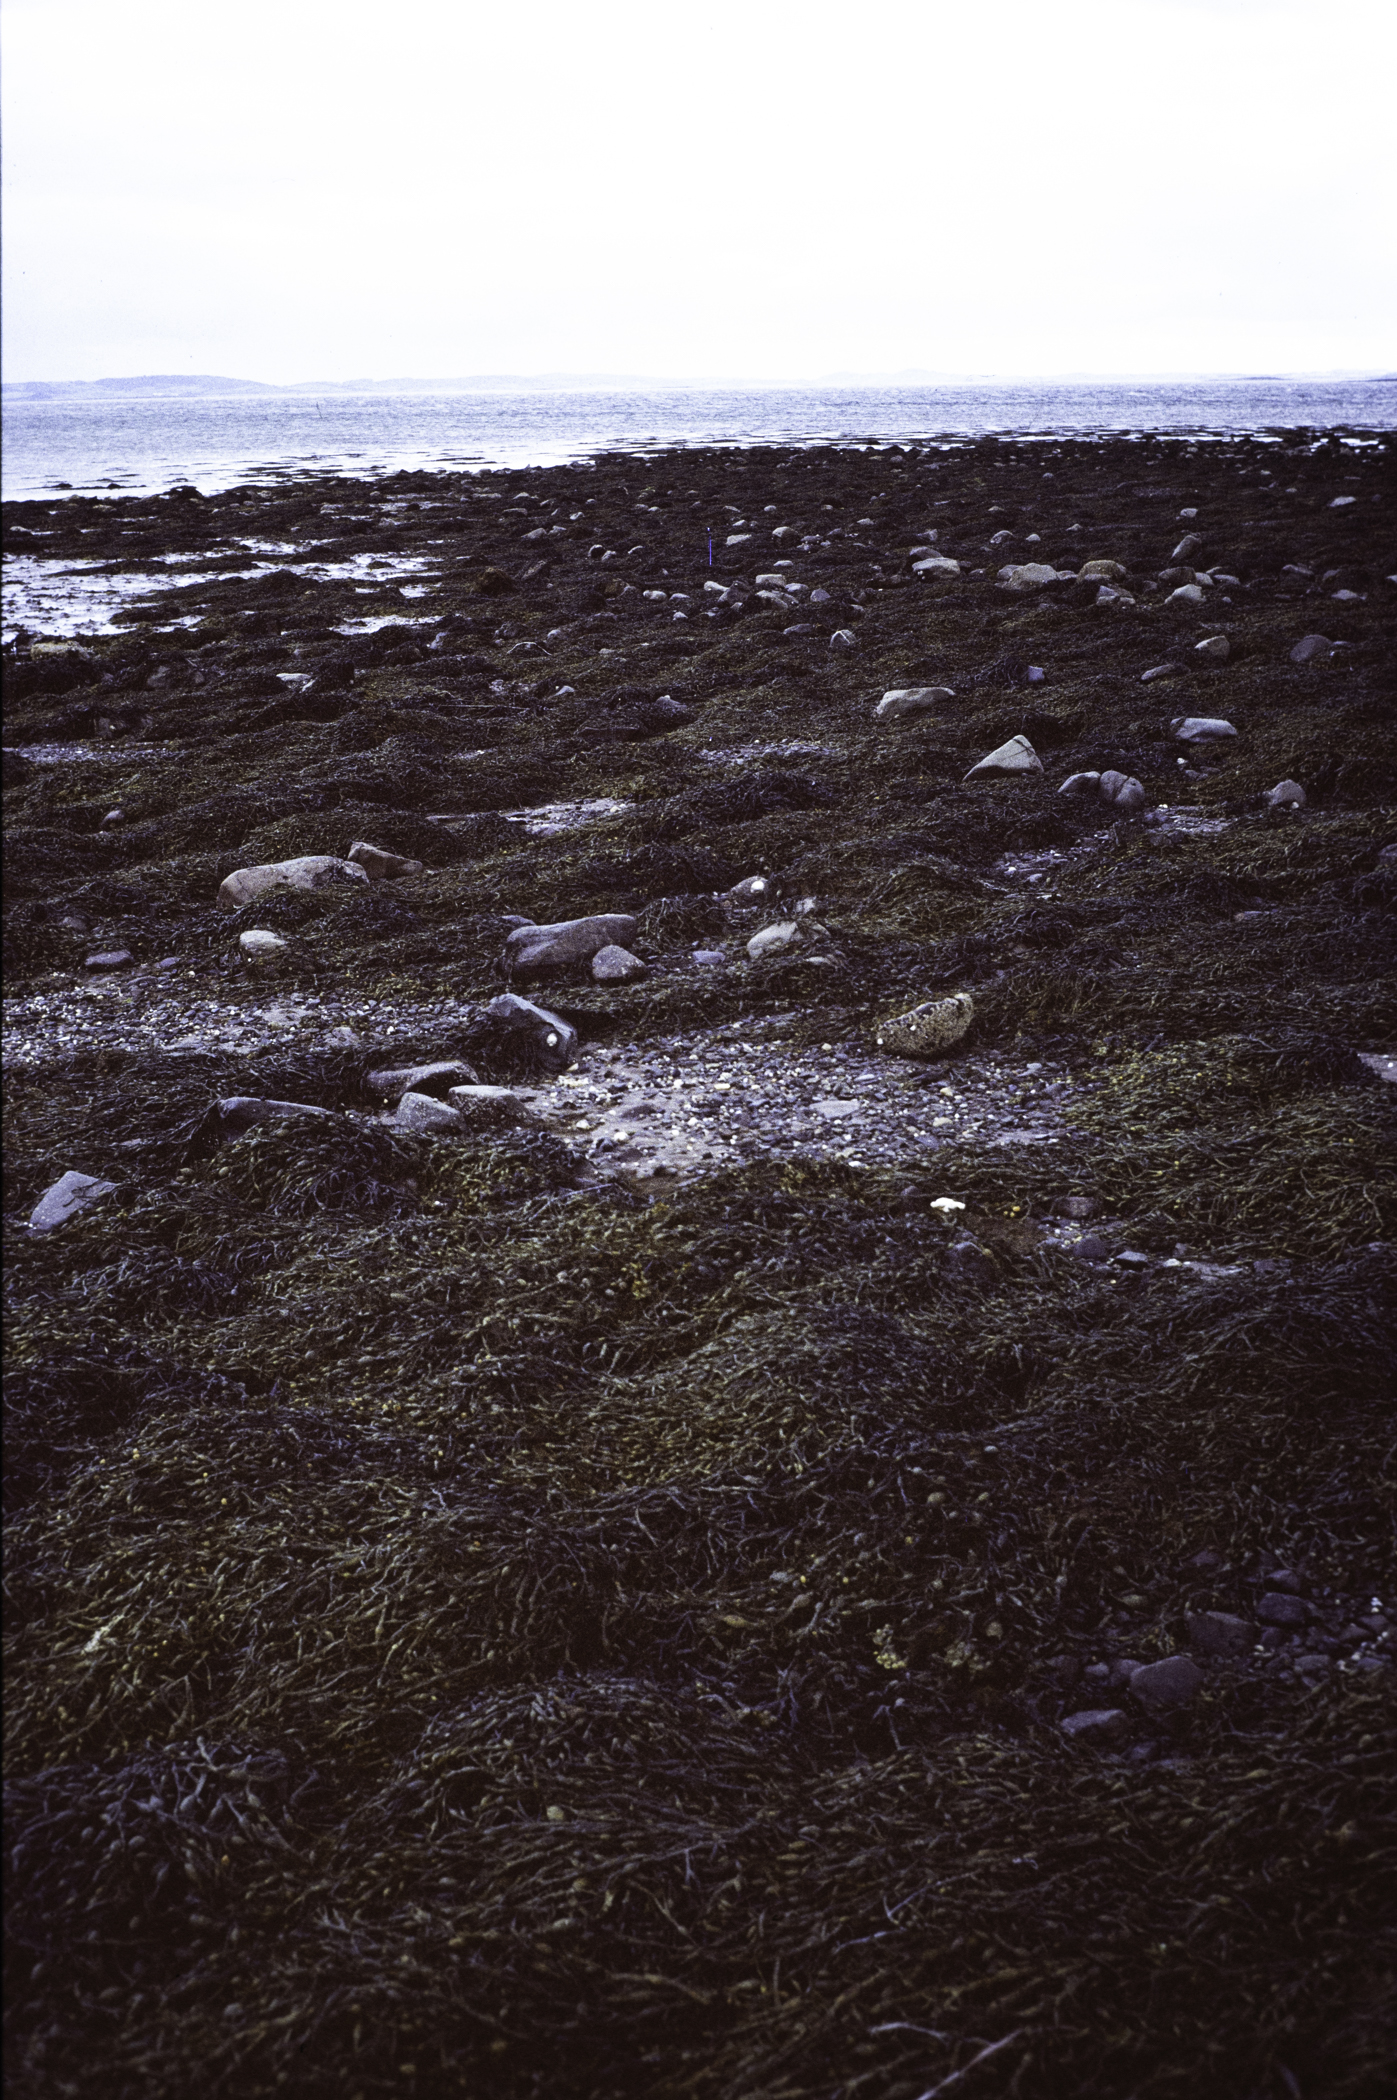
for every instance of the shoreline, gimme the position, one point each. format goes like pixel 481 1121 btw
pixel 744 1539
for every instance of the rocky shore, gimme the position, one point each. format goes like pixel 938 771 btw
pixel 700 1258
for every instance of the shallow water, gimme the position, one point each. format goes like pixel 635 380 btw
pixel 140 445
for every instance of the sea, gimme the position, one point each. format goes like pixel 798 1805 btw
pixel 140 445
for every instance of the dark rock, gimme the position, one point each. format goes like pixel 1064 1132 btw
pixel 533 950
pixel 1174 1682
pixel 1219 1633
pixel 1279 1609
pixel 1091 1247
pixel 1097 1724
pixel 111 959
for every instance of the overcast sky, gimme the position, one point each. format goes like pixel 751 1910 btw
pixel 298 189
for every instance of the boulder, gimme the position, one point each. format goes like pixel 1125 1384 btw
pixel 1174 1682
pixel 935 565
pixel 261 944
pixel 1081 784
pixel 925 1030
pixel 1219 1633
pixel 237 1112
pixel 312 871
pixel 66 1198
pixel 1103 571
pixel 772 939
pixel 910 700
pixel 534 950
pixel 1122 791
pixel 1286 794
pixel 1199 729
pixel 1312 649
pixel 528 1034
pixel 393 1082
pixel 1017 756
pixel 615 965
pixel 1215 649
pixel 380 866
pixel 425 1112
pixel 1186 596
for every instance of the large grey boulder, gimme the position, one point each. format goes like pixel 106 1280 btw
pixel 67 1198
pixel 534 950
pixel 910 700
pixel 1017 756
pixel 312 871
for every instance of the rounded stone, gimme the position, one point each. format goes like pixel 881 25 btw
pixel 923 1030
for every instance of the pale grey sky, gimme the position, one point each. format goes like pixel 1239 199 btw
pixel 294 189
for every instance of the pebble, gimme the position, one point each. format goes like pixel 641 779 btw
pixel 261 941
pixel 1189 545
pixel 311 871
pixel 380 866
pixel 1029 576
pixel 66 1198
pixel 844 638
pixel 1216 648
pixel 1091 1247
pixel 927 565
pixel 531 949
pixel 1096 1724
pixel 925 1029
pixel 910 700
pixel 1187 594
pixel 1198 729
pixel 616 965
pixel 1286 794
pixel 1104 571
pixel 1159 671
pixel 1015 756
pixel 1176 1681
pixel 1219 1633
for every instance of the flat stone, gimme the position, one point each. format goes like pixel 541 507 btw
pixel 1017 756
pixel 1286 794
pixel 1198 729
pixel 1122 791
pixel 395 1081
pixel 910 700
pixel 614 965
pixel 533 949
pixel 311 871
pixel 1312 649
pixel 1279 1608
pixel 425 1112
pixel 1159 671
pixel 1097 1724
pixel 246 1111
pixel 111 959
pixel 1219 1633
pixel 1176 1681
pixel 935 565
pixel 66 1198
pixel 1215 649
pixel 380 866
pixel 464 1098
pixel 924 1030
pixel 706 958
pixel 772 939
pixel 261 941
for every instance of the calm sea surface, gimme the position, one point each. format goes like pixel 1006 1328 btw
pixel 138 446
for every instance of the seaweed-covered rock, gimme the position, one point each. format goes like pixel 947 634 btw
pixel 312 871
